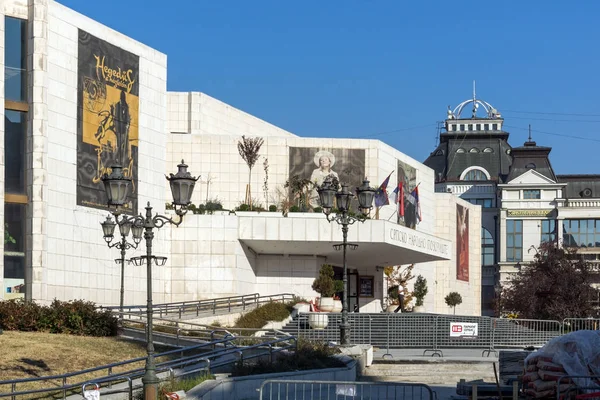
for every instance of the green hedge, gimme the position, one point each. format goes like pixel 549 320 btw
pixel 259 317
pixel 75 317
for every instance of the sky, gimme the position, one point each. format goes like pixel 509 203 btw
pixel 384 69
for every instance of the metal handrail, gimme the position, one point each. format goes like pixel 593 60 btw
pixel 230 301
pixel 161 367
pixel 109 367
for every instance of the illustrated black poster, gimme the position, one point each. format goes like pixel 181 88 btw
pixel 107 119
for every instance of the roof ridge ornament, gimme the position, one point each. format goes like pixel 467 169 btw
pixel 491 111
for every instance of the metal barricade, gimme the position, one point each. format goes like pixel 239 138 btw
pixel 578 324
pixel 331 390
pixel 519 333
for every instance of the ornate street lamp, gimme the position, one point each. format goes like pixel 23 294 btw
pixel 117 186
pixel 108 228
pixel 343 198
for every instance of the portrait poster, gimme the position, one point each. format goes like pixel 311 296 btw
pixel 317 163
pixel 107 119
pixel 407 176
pixel 462 243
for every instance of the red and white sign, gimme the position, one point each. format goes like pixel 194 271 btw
pixel 463 329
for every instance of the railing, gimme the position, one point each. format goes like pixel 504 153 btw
pixel 221 343
pixel 198 307
pixel 433 333
pixel 313 390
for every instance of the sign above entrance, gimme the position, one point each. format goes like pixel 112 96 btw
pixel 529 213
pixel 415 240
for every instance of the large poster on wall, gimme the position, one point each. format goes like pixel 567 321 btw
pixel 407 177
pixel 107 118
pixel 316 163
pixel 462 243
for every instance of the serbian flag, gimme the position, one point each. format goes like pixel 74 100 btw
pixel 399 198
pixel 413 198
pixel 381 196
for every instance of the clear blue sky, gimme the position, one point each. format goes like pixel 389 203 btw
pixel 359 68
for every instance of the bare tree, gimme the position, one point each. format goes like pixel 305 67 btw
pixel 248 149
pixel 266 182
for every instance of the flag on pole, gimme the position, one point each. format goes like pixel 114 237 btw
pixel 399 198
pixel 381 196
pixel 413 198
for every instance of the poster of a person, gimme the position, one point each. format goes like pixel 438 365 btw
pixel 324 160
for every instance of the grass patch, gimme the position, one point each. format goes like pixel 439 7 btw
pixel 272 311
pixel 37 354
pixel 174 385
pixel 310 355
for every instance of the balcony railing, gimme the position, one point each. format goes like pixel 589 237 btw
pixel 578 203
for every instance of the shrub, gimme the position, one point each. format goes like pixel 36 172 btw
pixel 76 317
pixel 318 209
pixel 272 208
pixel 243 207
pixel 420 290
pixel 324 284
pixel 294 209
pixel 213 205
pixel 259 317
pixel 309 355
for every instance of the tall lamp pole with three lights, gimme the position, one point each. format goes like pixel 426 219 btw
pixel 327 192
pixel 116 186
pixel 108 228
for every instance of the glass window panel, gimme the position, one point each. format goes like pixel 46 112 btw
pixel 15 126
pixel 590 226
pixel 487 203
pixel 510 241
pixel 575 225
pixel 510 225
pixel 519 240
pixel 14 245
pixel 582 225
pixel 545 226
pixel 15 59
pixel 488 259
pixel 519 226
pixel 518 255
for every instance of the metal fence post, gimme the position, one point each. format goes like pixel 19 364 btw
pixel 387 353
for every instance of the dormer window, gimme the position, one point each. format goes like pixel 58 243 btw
pixel 530 166
pixel 475 174
pixel 460 150
pixel 474 150
pixel 488 150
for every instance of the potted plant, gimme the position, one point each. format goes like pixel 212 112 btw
pixel 420 291
pixel 324 284
pixel 338 286
pixel 453 299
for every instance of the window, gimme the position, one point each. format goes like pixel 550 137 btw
pixel 470 127
pixel 15 131
pixel 460 150
pixel 439 153
pixel 15 125
pixel 494 127
pixel 454 127
pixel 462 127
pixel 15 59
pixel 530 166
pixel 478 127
pixel 581 232
pixel 488 150
pixel 514 240
pixel 486 127
pixel 475 175
pixel 548 230
pixel 533 194
pixel 474 150
pixel 487 248
pixel 485 203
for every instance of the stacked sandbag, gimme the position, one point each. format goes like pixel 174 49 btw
pixel 541 376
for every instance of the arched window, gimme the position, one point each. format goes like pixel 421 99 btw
pixel 475 174
pixel 474 150
pixel 488 150
pixel 487 248
pixel 460 150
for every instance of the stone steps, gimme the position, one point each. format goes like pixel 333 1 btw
pixel 429 372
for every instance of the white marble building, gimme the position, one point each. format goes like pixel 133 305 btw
pixel 79 95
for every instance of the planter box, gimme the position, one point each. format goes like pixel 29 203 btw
pixel 246 387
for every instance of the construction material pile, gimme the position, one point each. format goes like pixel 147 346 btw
pixel 564 363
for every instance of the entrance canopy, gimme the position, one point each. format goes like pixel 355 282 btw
pixel 379 242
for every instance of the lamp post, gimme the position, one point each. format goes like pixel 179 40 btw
pixel 116 186
pixel 365 195
pixel 108 228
